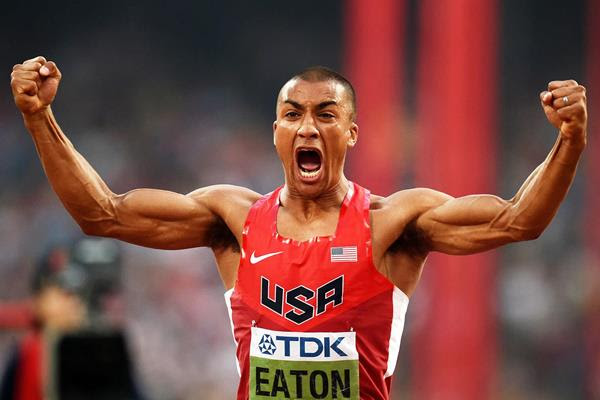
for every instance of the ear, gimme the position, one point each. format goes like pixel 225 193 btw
pixel 352 135
pixel 274 129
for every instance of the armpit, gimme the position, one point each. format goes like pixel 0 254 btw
pixel 221 238
pixel 412 241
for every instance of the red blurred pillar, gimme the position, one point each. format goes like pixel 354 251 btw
pixel 454 351
pixel 592 207
pixel 373 64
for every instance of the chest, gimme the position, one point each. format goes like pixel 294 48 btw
pixel 304 228
pixel 303 283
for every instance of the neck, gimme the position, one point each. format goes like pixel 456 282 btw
pixel 301 205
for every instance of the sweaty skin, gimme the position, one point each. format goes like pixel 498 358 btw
pixel 406 226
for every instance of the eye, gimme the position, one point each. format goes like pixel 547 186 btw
pixel 292 114
pixel 326 115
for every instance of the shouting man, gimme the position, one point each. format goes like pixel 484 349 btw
pixel 318 272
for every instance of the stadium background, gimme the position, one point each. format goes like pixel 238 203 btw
pixel 180 95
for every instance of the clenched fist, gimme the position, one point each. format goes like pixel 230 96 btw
pixel 34 84
pixel 565 106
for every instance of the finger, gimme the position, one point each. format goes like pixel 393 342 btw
pixel 49 69
pixel 24 86
pixel 567 100
pixel 34 66
pixel 38 59
pixel 27 75
pixel 556 84
pixel 567 91
pixel 31 75
pixel 572 109
pixel 546 98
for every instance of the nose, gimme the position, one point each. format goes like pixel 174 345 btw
pixel 308 129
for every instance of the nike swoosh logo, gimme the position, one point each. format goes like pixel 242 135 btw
pixel 255 260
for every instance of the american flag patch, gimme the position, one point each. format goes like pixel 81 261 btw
pixel 344 254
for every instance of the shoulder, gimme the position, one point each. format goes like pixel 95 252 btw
pixel 414 201
pixel 229 205
pixel 218 197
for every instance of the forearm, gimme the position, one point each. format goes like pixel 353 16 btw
pixel 540 196
pixel 83 193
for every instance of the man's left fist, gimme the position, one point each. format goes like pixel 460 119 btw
pixel 565 106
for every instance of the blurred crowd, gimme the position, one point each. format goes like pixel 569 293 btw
pixel 144 117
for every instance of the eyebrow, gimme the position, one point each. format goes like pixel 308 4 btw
pixel 324 104
pixel 294 103
pixel 320 106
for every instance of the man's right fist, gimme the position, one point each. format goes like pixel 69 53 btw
pixel 34 84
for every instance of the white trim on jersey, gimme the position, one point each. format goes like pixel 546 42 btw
pixel 228 295
pixel 399 306
pixel 350 193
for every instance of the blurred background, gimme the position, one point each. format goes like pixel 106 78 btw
pixel 178 95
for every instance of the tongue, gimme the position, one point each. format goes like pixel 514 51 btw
pixel 309 160
pixel 310 166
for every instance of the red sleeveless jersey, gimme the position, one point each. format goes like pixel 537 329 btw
pixel 314 319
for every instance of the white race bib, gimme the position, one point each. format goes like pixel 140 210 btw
pixel 303 365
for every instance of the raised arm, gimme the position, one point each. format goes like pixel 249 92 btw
pixel 480 222
pixel 148 217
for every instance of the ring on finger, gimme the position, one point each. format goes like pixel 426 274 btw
pixel 565 100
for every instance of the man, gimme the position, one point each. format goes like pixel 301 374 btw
pixel 318 272
pixel 57 309
pixel 72 349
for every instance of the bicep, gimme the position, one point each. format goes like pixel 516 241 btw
pixel 469 224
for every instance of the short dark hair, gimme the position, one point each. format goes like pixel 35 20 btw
pixel 319 73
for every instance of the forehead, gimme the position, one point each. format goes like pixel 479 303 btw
pixel 305 92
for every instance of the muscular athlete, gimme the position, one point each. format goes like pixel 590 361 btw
pixel 314 127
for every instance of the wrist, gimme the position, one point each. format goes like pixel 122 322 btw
pixel 575 143
pixel 570 149
pixel 38 116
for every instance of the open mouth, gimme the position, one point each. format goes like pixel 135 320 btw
pixel 309 162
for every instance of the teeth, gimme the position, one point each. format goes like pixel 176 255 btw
pixel 307 174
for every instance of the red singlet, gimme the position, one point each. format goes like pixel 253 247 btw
pixel 314 319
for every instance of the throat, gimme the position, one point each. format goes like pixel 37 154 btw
pixel 301 219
